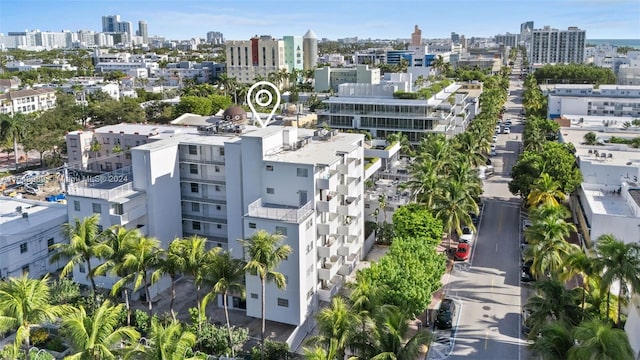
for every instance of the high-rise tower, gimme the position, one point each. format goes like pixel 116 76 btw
pixel 310 50
pixel 142 30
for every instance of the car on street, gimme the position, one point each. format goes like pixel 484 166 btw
pixel 493 152
pixel 462 252
pixel 506 130
pixel 445 314
pixel 474 218
pixel 497 129
pixel 467 235
pixel 526 276
pixel 493 146
pixel 508 122
pixel 526 328
pixel 495 138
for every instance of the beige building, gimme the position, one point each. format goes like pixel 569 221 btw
pixel 247 59
pixel 27 101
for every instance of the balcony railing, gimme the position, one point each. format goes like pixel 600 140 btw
pixel 276 212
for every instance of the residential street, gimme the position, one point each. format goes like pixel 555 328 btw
pixel 489 290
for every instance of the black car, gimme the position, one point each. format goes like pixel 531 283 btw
pixel 444 317
pixel 526 275
pixel 526 328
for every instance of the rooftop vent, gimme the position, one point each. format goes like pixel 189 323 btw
pixel 25 215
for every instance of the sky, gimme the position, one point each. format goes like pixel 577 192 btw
pixel 331 19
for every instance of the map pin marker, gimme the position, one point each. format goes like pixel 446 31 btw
pixel 259 99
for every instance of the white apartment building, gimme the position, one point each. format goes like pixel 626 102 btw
pixel 374 108
pixel 614 103
pixel 27 229
pixel 553 46
pixel 27 101
pixel 328 78
pixel 108 148
pixel 305 184
pixel 247 59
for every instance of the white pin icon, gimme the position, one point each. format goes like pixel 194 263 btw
pixel 263 97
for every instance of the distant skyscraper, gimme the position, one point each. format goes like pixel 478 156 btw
pixel 455 38
pixel 552 46
pixel 215 37
pixel 109 23
pixel 526 26
pixel 416 37
pixel 142 30
pixel 310 50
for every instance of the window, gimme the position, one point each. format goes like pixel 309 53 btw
pixel 283 302
pixel 81 268
pixel 252 225
pixel 217 187
pixel 76 205
pixel 269 167
pixel 193 168
pixel 25 270
pixel 270 191
pixel 218 226
pixel 195 207
pixel 281 230
pixel 216 168
pixel 302 172
pixel 254 295
pixel 221 151
pixel 50 243
pixel 218 207
pixel 23 248
pixel 97 209
pixel 194 188
pixel 195 225
pixel 117 209
pixel 193 150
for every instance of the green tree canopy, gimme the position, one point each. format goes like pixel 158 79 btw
pixel 415 221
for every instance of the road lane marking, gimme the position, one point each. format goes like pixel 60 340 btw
pixel 486 338
pixel 496 248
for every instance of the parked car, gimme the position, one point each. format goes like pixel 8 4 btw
pixel 526 328
pixel 495 139
pixel 462 252
pixel 526 276
pixel 506 130
pixel 474 218
pixel 523 251
pixel 445 314
pixel 493 146
pixel 508 122
pixel 493 152
pixel 467 235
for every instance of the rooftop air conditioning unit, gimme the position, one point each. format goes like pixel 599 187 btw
pixel 25 216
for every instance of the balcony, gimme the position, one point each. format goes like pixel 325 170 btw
pixel 108 186
pixel 349 188
pixel 329 248
pixel 214 180
pixel 329 206
pixel 329 227
pixel 123 219
pixel 325 293
pixel 350 207
pixel 328 180
pixel 347 229
pixel 349 167
pixel 280 212
pixel 330 268
pixel 350 246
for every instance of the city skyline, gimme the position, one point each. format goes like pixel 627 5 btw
pixel 602 19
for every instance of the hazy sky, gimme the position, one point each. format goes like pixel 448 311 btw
pixel 332 19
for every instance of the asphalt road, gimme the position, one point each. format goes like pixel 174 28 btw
pixel 489 289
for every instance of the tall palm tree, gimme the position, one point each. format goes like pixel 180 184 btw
pixel 579 264
pixel 25 302
pixel 172 264
pixel 84 245
pixel 116 240
pixel 14 128
pixel 545 190
pixel 96 336
pixel 320 353
pixel 194 253
pixel 141 257
pixel 265 252
pixel 595 339
pixel 453 207
pixel 424 182
pixel 336 324
pixel 473 147
pixel 549 256
pixel 620 262
pixel 226 275
pixel 553 301
pixel 547 225
pixel 169 342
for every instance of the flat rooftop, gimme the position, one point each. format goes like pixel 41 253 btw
pixel 153 131
pixel 604 202
pixel 621 154
pixel 382 101
pixel 12 221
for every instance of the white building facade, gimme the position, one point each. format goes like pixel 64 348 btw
pixel 27 101
pixel 553 46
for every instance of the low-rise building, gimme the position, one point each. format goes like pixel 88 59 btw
pixel 328 78
pixel 27 230
pixel 617 103
pixel 27 101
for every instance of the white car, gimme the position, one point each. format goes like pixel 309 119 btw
pixel 495 138
pixel 506 130
pixel 493 147
pixel 467 235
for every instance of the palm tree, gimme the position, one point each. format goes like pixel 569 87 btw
pixel 548 223
pixel 545 190
pixel 424 182
pixel 193 252
pixel 320 353
pixel 172 264
pixel 554 341
pixel 549 256
pixel 96 336
pixel 618 261
pixel 579 264
pixel 169 342
pixel 595 339
pixel 553 301
pixel 140 257
pixel 116 240
pixel 84 244
pixel 405 145
pixel 25 302
pixel 265 252
pixel 473 146
pixel 337 324
pixel 453 207
pixel 226 275
pixel 13 128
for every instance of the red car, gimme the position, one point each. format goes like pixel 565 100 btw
pixel 462 252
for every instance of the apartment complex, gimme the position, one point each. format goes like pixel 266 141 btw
pixel 256 57
pixel 27 229
pixel 375 109
pixel 553 46
pixel 293 53
pixel 614 103
pixel 302 183
pixel 108 148
pixel 27 101
pixel 328 78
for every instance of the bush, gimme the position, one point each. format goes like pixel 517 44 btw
pixel 39 337
pixel 64 291
pixel 273 350
pixel 55 344
pixel 141 321
pixel 405 95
